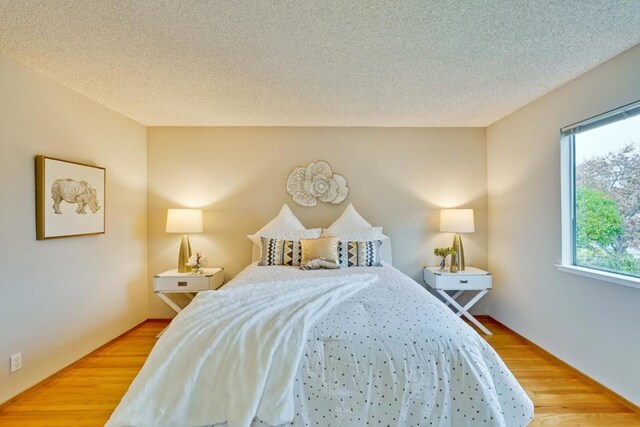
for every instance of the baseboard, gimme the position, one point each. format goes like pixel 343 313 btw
pixel 578 372
pixel 43 382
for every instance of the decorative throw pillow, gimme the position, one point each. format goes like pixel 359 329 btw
pixel 280 252
pixel 294 235
pixel 324 248
pixel 319 264
pixel 360 254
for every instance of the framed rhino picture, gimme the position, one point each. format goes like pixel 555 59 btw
pixel 70 198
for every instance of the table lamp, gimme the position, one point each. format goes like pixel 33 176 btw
pixel 457 221
pixel 184 221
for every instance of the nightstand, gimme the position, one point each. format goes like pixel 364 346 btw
pixel 471 279
pixel 172 282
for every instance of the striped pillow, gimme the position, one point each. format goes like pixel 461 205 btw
pixel 280 252
pixel 360 254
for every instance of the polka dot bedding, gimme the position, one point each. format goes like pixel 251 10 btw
pixel 393 355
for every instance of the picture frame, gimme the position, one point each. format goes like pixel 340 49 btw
pixel 70 198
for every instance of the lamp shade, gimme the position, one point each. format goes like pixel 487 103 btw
pixel 184 221
pixel 457 221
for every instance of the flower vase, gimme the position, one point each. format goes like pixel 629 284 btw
pixel 197 270
pixel 443 264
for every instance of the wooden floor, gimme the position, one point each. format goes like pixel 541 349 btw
pixel 86 393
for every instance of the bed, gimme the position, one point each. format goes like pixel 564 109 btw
pixel 391 354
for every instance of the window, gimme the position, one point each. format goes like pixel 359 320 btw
pixel 601 194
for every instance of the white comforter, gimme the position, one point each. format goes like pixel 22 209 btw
pixel 391 354
pixel 232 355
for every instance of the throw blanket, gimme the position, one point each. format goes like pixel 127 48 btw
pixel 232 355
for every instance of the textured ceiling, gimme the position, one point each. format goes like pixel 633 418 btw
pixel 316 63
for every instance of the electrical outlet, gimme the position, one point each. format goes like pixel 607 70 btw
pixel 16 362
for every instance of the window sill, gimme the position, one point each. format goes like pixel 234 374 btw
pixel 618 279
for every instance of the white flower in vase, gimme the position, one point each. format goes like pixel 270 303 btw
pixel 197 262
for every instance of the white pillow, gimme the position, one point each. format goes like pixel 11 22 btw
pixel 285 222
pixel 285 226
pixel 350 226
pixel 311 233
pixel 349 220
pixel 369 234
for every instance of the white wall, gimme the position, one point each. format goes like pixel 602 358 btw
pixel 62 298
pixel 592 325
pixel 399 178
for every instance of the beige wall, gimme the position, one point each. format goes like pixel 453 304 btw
pixel 60 299
pixel 590 324
pixel 63 298
pixel 398 179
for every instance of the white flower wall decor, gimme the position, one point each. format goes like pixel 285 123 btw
pixel 316 181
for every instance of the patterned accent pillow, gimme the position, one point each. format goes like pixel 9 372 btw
pixel 280 252
pixel 360 254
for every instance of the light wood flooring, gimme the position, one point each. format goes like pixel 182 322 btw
pixel 86 393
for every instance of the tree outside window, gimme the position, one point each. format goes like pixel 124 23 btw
pixel 607 197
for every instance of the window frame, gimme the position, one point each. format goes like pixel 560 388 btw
pixel 568 191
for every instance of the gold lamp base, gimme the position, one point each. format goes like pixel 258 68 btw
pixel 184 255
pixel 457 260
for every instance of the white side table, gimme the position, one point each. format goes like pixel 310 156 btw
pixel 171 282
pixel 471 279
